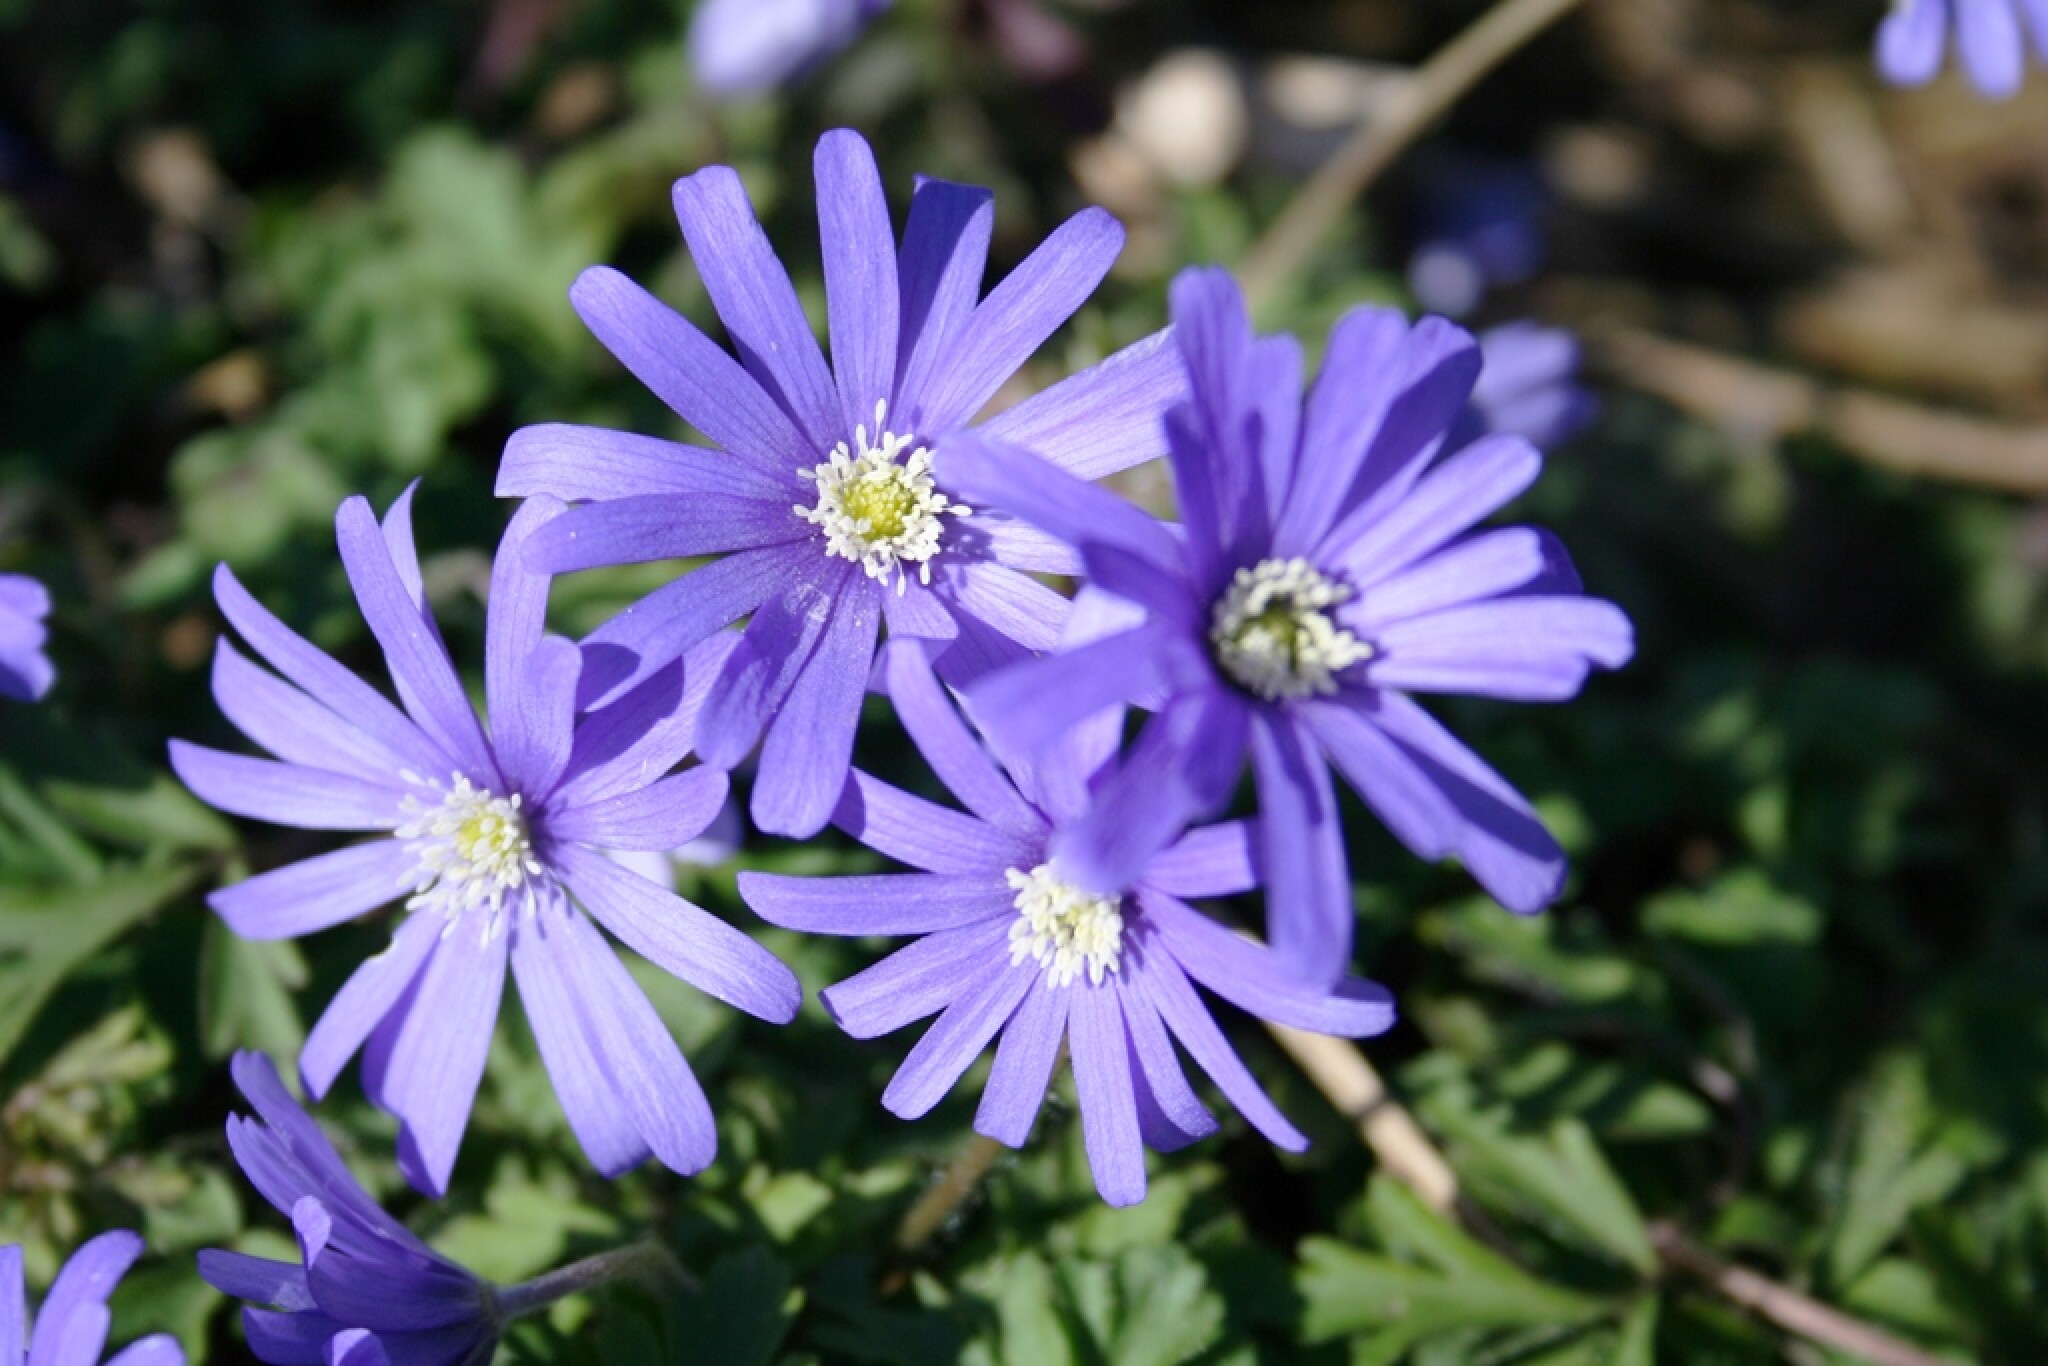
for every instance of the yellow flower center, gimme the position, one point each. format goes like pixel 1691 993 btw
pixel 473 850
pixel 878 504
pixel 1273 634
pixel 1064 929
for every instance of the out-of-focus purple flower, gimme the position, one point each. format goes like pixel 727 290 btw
pixel 499 835
pixel 1990 35
pixel 1481 228
pixel 1327 568
pixel 25 671
pixel 1009 944
pixel 1528 387
pixel 366 1290
pixel 71 1328
pixel 749 47
pixel 820 499
pixel 719 843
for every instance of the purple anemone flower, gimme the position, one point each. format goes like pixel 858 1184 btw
pixel 749 47
pixel 71 1329
pixel 25 672
pixel 366 1290
pixel 1991 36
pixel 1326 569
pixel 820 499
pixel 496 838
pixel 1528 387
pixel 1009 944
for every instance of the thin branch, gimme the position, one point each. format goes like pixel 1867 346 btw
pixel 945 1196
pixel 1765 403
pixel 1381 138
pixel 1784 1306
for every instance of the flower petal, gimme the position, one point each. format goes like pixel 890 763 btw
pixel 647 731
pixel 535 733
pixel 861 292
pixel 1484 566
pixel 881 903
pixel 992 473
pixel 773 652
pixel 316 893
pixel 756 301
pixel 1106 418
pixel 681 939
pixel 72 1324
pixel 917 980
pixel 1377 540
pixel 945 249
pixel 808 749
pixel 666 814
pixel 1025 1058
pixel 1912 40
pixel 291 725
pixel 593 464
pixel 689 372
pixel 954 1041
pixel 957 756
pixel 1256 980
pixel 437 1061
pixel 1527 649
pixel 1109 1102
pixel 1214 860
pixel 663 526
pixel 922 834
pixel 370 993
pixel 1164 985
pixel 1170 1114
pixel 285 794
pixel 1309 916
pixel 1019 314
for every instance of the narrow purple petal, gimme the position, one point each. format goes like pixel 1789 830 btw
pixel 917 612
pixel 1528 649
pixel 431 1078
pixel 679 938
pixel 1215 860
pixel 666 814
pixel 1017 545
pixel 640 1058
pixel 1019 314
pixel 1912 40
pixel 286 794
pixel 808 749
pixel 662 626
pixel 1032 704
pixel 259 1280
pixel 579 464
pixel 1109 1102
pixel 384 1294
pixel 1025 1058
pixel 1256 980
pixel 1478 567
pixel 1992 47
pixel 347 696
pixel 688 371
pixel 1212 443
pixel 289 1339
pixel 419 665
pixel 370 993
pixel 516 614
pixel 13 1305
pixel 1359 382
pixel 881 903
pixel 72 1324
pixel 647 731
pixel 597 1113
pixel 290 724
pixel 1377 539
pixel 405 553
pixel 1169 991
pixel 961 761
pixel 316 893
pixel 945 249
pixel 158 1349
pixel 1013 604
pixel 861 291
pixel 773 652
pixel 991 473
pixel 1106 418
pixel 921 834
pixel 1500 838
pixel 1309 915
pixel 1391 781
pixel 356 1347
pixel 917 980
pixel 954 1041
pixel 534 733
pixel 1170 1114
pixel 756 301
pixel 663 526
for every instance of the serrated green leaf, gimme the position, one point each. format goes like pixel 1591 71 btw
pixel 1563 1179
pixel 246 991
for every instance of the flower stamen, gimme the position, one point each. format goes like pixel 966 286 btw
pixel 473 849
pixel 1063 928
pixel 1273 634
pixel 879 505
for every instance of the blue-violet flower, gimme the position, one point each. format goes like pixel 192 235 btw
pixel 820 498
pixel 1326 569
pixel 1009 944
pixel 750 47
pixel 71 1328
pixel 25 672
pixel 1528 387
pixel 1990 35
pixel 495 837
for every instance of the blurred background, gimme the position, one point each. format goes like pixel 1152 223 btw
pixel 256 255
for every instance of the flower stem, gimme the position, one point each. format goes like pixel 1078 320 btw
pixel 648 1263
pixel 1387 132
pixel 947 1194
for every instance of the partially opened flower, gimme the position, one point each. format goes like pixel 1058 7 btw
pixel 1327 568
pixel 1010 945
pixel 494 837
pixel 749 47
pixel 25 672
pixel 1990 35
pixel 820 496
pixel 365 1289
pixel 1528 387
pixel 71 1328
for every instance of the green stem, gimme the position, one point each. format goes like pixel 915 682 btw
pixel 648 1263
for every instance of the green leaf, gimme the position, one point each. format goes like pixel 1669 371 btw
pixel 1032 1332
pixel 1563 1179
pixel 1441 1281
pixel 1636 1344
pixel 1170 1315
pixel 1895 1168
pixel 245 994
pixel 740 1314
pixel 46 935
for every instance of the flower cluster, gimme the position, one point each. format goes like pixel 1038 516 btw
pixel 874 530
pixel 1991 37
pixel 74 1322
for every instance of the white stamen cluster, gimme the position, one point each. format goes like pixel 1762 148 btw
pixel 474 850
pixel 879 506
pixel 1063 928
pixel 1273 635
